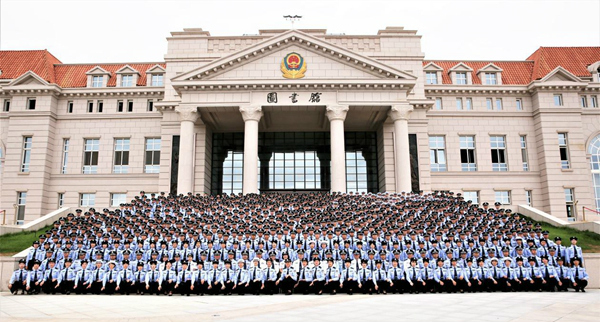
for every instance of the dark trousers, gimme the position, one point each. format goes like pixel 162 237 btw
pixel 270 288
pixel 439 288
pixel 110 287
pixel 331 287
pixel 317 286
pixel 500 286
pixel 301 287
pixel 350 287
pixel 367 286
pixel 519 284
pixel 152 288
pixel 429 285
pixel 81 288
pixel 254 287
pixel 287 284
pixel 200 287
pixel 550 284
pixel 167 287
pixel 241 288
pixel 215 288
pixel 96 287
pixel 383 286
pixel 536 285
pixel 34 289
pixel 126 287
pixel 18 285
pixel 228 287
pixel 66 287
pixel 565 284
pixel 184 288
pixel 581 284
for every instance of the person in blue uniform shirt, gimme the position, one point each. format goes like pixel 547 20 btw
pixel 288 278
pixel 139 278
pixel 535 283
pixel 413 277
pixel 304 275
pixel 548 274
pixel 82 280
pixel 396 276
pixel 66 278
pixel 427 277
pixel 573 251
pixel 97 278
pixel 213 278
pixel 270 276
pixel 240 279
pixel 579 277
pixel 563 275
pixel 382 282
pixel 226 280
pixel 34 254
pixel 169 278
pixel 185 279
pixel 109 284
pixel 332 278
pixel 18 280
pixel 317 278
pixel 255 281
pixel 49 285
pixel 441 278
pixel 521 280
pixel 471 276
pixel 153 279
pixel 35 278
pixel 200 278
pixel 125 279
pixel 348 278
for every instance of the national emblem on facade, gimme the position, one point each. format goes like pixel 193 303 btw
pixel 293 66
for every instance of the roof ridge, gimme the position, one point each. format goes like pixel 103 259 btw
pixel 98 64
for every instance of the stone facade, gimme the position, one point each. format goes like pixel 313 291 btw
pixel 379 83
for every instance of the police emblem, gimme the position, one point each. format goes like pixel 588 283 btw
pixel 293 66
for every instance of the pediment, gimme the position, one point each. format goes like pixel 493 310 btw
pixel 432 67
pixel 97 71
pixel 491 67
pixel 127 70
pixel 560 74
pixel 155 69
pixel 460 67
pixel 323 59
pixel 29 78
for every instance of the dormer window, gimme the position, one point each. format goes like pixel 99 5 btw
pixel 461 74
pixel 97 81
pixel 490 74
pixel 491 79
pixel 127 80
pixel 157 80
pixel 431 78
pixel 461 78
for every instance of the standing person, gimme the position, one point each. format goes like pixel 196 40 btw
pixel 18 280
pixel 579 276
pixel 573 251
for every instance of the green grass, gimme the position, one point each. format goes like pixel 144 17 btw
pixel 11 244
pixel 587 240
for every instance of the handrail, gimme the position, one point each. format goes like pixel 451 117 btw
pixel 590 209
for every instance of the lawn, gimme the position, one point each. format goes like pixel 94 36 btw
pixel 11 244
pixel 587 240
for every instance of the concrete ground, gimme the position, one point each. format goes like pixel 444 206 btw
pixel 422 307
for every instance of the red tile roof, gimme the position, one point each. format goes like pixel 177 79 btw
pixel 573 59
pixel 14 63
pixel 69 76
pixel 513 72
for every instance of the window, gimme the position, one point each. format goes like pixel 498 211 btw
pixel 121 164
pixel 469 104
pixel 65 156
pixel 150 106
pixel 437 153
pixel 472 196
pixel 488 103
pixel 157 80
pixel 570 202
pixel 499 104
pixel 438 103
pixel 126 80
pixel 519 104
pixel 461 78
pixel 129 105
pixel 61 200
pixel 459 103
pixel 152 160
pixel 503 197
pixel 528 197
pixel 594 151
pixel 21 200
pixel 97 81
pixel 563 147
pixel 490 79
pixel 233 172
pixel 594 100
pixel 6 106
pixel 431 78
pixel 70 107
pixel 100 106
pixel 116 199
pixel 26 159
pixel 467 153
pixel 583 100
pixel 87 199
pixel 31 103
pixel 558 100
pixel 119 106
pixel 498 145
pixel 90 156
pixel 524 159
pixel 90 106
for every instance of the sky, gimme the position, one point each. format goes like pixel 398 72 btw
pixel 81 31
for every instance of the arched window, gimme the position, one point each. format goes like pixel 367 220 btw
pixel 594 151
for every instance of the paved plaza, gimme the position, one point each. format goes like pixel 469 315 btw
pixel 422 307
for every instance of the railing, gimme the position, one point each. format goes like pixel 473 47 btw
pixel 589 209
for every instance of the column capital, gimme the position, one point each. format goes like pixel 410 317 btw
pixel 336 112
pixel 188 113
pixel 251 113
pixel 400 112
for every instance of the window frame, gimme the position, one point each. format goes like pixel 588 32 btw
pixel 31 103
pixel 468 192
pixel 156 83
pixel 431 80
pixel 129 82
pixel 6 105
pixel 503 199
pixel 70 107
pixel 112 199
pixel 439 105
pixel 459 80
pixel 459 103
pixel 519 104
pixel 155 155
pixel 465 145
pixel 469 104
pixel 121 150
pixel 500 153
pixel 436 153
pixel 558 100
pixel 26 146
pixel 491 78
pixel 97 81
pixel 524 154
pixel 90 168
pixel 65 155
pixel 90 200
pixel 563 149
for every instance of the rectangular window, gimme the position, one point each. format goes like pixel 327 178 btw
pixel 488 104
pixel 150 106
pixel 116 199
pixel 461 78
pixel 65 156
pixel 129 105
pixel 519 104
pixel 90 156
pixel 490 79
pixel 121 164
pixel 558 100
pixel 467 153
pixel 6 106
pixel 524 158
pixel 126 80
pixel 570 202
pixel 563 147
pixel 437 153
pixel 431 78
pixel 472 196
pixel 61 200
pixel 119 106
pixel 90 106
pixel 31 103
pixel 503 197
pixel 157 80
pixel 152 160
pixel 70 107
pixel 459 103
pixel 529 197
pixel 87 199
pixel 26 159
pixel 21 201
pixel 100 106
pixel 594 100
pixel 469 104
pixel 498 145
pixel 438 103
pixel 97 81
pixel 583 100
pixel 499 104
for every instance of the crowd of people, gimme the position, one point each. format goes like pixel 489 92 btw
pixel 298 244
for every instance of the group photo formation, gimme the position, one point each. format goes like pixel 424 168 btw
pixel 313 243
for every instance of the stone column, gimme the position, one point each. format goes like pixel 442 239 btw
pixel 251 116
pixel 265 158
pixel 400 115
pixel 185 173
pixel 336 116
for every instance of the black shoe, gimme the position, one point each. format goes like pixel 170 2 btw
pixel 583 290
